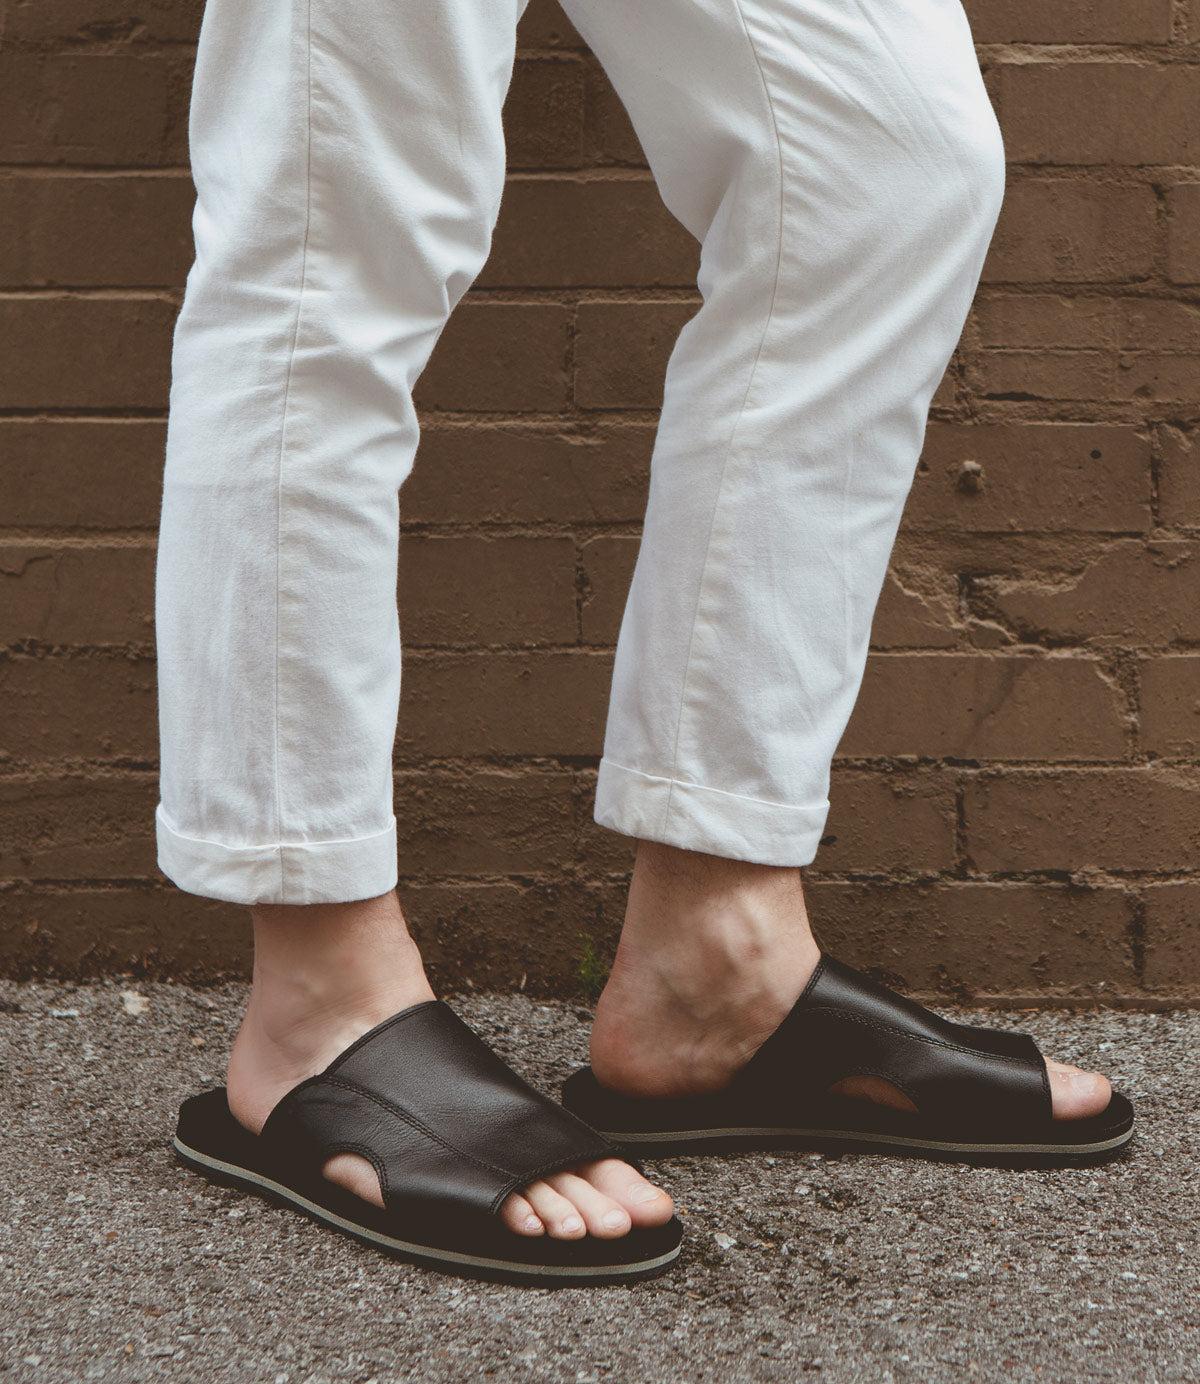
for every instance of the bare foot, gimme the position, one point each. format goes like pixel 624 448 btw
pixel 325 974
pixel 713 955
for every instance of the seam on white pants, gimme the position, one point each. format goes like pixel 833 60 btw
pixel 287 391
pixel 712 523
pixel 721 792
pixel 272 845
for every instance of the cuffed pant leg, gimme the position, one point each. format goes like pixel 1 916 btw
pixel 841 166
pixel 349 164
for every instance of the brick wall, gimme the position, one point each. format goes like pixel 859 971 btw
pixel 1017 801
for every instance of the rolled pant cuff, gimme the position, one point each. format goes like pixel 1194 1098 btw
pixel 292 872
pixel 707 819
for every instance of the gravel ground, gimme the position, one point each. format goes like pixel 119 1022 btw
pixel 120 1265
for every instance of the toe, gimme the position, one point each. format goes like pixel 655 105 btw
pixel 556 1212
pixel 644 1203
pixel 520 1217
pixel 605 1218
pixel 1076 1094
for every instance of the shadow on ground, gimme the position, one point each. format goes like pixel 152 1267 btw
pixel 119 1265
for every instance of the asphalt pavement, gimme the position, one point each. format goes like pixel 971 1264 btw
pixel 117 1264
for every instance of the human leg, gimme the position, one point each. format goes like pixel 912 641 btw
pixel 842 168
pixel 349 163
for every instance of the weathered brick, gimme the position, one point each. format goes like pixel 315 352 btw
pixel 982 941
pixel 1169 719
pixel 893 819
pixel 1179 476
pixel 1070 21
pixel 60 594
pixel 504 704
pixel 1014 707
pixel 1153 375
pixel 110 353
pixel 907 619
pixel 508 357
pixel 507 473
pixel 102 109
pixel 81 474
pixel 77 708
pixel 1116 819
pixel 609 138
pixel 607 571
pixel 1068 321
pixel 484 822
pixel 151 929
pixel 1031 476
pixel 487 590
pixel 1045 375
pixel 559 233
pixel 543 113
pixel 1100 112
pixel 1183 234
pixel 1159 324
pixel 1172 939
pixel 122 232
pixel 161 21
pixel 77 827
pixel 1142 595
pixel 621 351
pixel 1072 230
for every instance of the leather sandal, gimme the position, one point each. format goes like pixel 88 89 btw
pixel 450 1129
pixel 982 1095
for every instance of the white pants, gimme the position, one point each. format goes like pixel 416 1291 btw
pixel 842 168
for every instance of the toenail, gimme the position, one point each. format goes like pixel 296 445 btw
pixel 572 1223
pixel 614 1220
pixel 643 1192
pixel 533 1225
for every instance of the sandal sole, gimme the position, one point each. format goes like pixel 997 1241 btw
pixel 475 1266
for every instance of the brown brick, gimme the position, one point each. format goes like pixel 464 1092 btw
pixel 77 827
pixel 1183 234
pixel 1169 720
pixel 1009 320
pixel 1142 595
pixel 608 134
pixel 506 473
pixel 508 357
pixel 77 708
pixel 1159 324
pixel 1070 21
pixel 504 704
pixel 487 590
pixel 1100 113
pixel 1172 941
pixel 907 619
pixel 1072 230
pixel 889 820
pixel 987 707
pixel 169 21
pixel 151 929
pixel 543 25
pixel 1179 476
pixel 559 233
pixel 984 941
pixel 109 353
pixel 1115 819
pixel 99 109
pixel 1153 375
pixel 607 571
pixel 621 352
pixel 543 113
pixel 477 821
pixel 1033 476
pixel 105 232
pixel 59 594
pixel 81 474
pixel 1045 375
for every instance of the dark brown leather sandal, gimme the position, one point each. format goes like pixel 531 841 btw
pixel 981 1094
pixel 450 1129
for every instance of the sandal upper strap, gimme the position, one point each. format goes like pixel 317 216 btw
pixel 449 1127
pixel 844 1024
